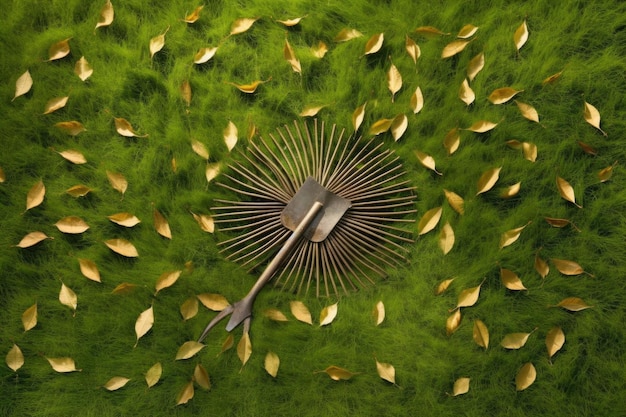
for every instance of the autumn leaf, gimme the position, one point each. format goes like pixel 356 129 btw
pixel 454 48
pixel 72 127
pixel 386 371
pixel 520 36
pixel 55 104
pixel 475 65
pixel 204 55
pixel 248 88
pixel 394 81
pixel 205 222
pixel 588 149
pixel 244 349
pixel 398 126
pixel 31 239
pixel 124 288
pixel 29 317
pixel 328 314
pixel 73 156
pixel 466 94
pixel 186 394
pixel 453 322
pixel 291 22
pixel 530 151
pixel 592 116
pixel 310 111
pixel 167 279
pixel 452 140
pixel 319 50
pixel 515 340
pixel 528 111
pixel 461 386
pixel 510 280
pixel 89 269
pixel 566 191
pixel 211 171
pixel 605 174
pixel 510 236
pixel 189 308
pixel 430 31
pixel 511 191
pixel 78 190
pixel 116 383
pixel 242 25
pixel 124 219
pixel 446 238
pixel 124 128
pixel 541 266
pixel 154 374
pixel 567 267
pixel 161 225
pixel 272 363
pixel 480 334
pixel 358 115
pixel 106 15
pixel 275 315
pixel 62 365
pixel 122 247
pixel 525 377
pixel 144 323
pixel 380 126
pixel 83 69
pixel 2 176
pixel 467 31
pixel 429 220
pixel 188 350
pixel 427 161
pixel 374 44
pixel 157 43
pixel 412 49
pixel 59 50
pixel 555 339
pixel 229 342
pixel 347 34
pixel 338 374
pixel 35 195
pixel 201 377
pixel 487 180
pixel 215 302
pixel 379 313
pixel 552 78
pixel 300 312
pixel 193 16
pixel 443 286
pixel 23 84
pixel 468 297
pixel 417 101
pixel 68 297
pixel 15 358
pixel 72 225
pixel 290 57
pixel 573 304
pixel 482 126
pixel 185 92
pixel 502 95
pixel 117 181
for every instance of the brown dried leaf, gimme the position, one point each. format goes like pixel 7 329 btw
pixel 320 50
pixel 59 50
pixel 185 394
pixel 29 317
pixel 555 339
pixel 558 223
pixel 380 126
pixel 32 239
pixel 429 31
pixel 412 49
pixel 566 191
pixel 68 297
pixel 453 322
pixel 290 57
pixel 567 267
pixel 189 308
pixel 429 220
pixel 511 191
pixel 300 312
pixel 443 286
pixel 211 171
pixel 467 31
pixel 452 140
pixel 475 65
pixel 161 225
pixel 106 15
pixel 525 376
pixel 605 174
pixel 510 280
pixel 553 78
pixel 35 195
pixel 480 334
pixel 117 181
pixel 515 340
pixel 2 176
pixel 275 315
pixel 379 313
pixel 215 302
pixel 573 304
pixel 528 111
pixel 310 111
pixel 205 222
pixel 124 128
pixel 204 55
pixel 466 94
pixel 188 350
pixel 23 84
pixel 374 44
pixel 502 95
pixel 89 269
pixel 83 69
pixel 244 349
pixel 144 323
pixel 193 16
pixel 328 314
pixel 338 374
pixel 427 161
pixel 394 80
pixel 386 371
pixel 592 116
pixel 72 225
pixel 510 236
pixel 72 128
pixel 115 383
pixel 520 36
pixel 242 25
pixel 487 180
pixel 272 363
pixel 78 190
pixel 358 115
pixel 446 238
pixel 122 247
pixel 201 377
pixel 587 148
pixel 398 126
pixel 62 365
pixel 461 386
pixel 482 126
pixel 157 43
pixel 167 279
pixel 454 48
pixel 124 219
pixel 15 358
pixel 417 101
pixel 347 34
pixel 468 297
pixel 55 104
pixel 154 374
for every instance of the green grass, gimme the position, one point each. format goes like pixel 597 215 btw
pixel 585 40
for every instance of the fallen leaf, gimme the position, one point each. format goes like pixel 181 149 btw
pixel 154 374
pixel 193 16
pixel 189 308
pixel 157 43
pixel 525 377
pixel 454 48
pixel 35 195
pixel 201 377
pixel 185 394
pixel 248 88
pixel 204 55
pixel 374 44
pixel 188 350
pixel 573 304
pixel 566 191
pixel 242 25
pixel 412 49
pixel 275 315
pixel 510 236
pixel 587 148
pixel 72 225
pixel 430 30
pixel 541 266
pixel 461 386
pixel 467 31
pixel 487 180
pixel 357 116
pixel 68 297
pixel 455 201
pixel 59 50
pixel 592 116
pixel 380 126
pixel 161 225
pixel 290 57
pixel 244 349
pixel 452 140
pixel 475 65
pixel 205 222
pixel 555 339
pixel 83 69
pixel 338 374
pixel 466 94
pixel 511 191
pixel 552 78
pixel 427 161
pixel 528 111
pixel 379 313
pixel 23 84
pixel 345 35
pixel 398 126
pixel 211 171
pixel 567 267
pixel 468 297
pixel 429 220
pixel 443 286
pixel 31 239
pixel 272 363
pixel 215 302
pixel 480 334
pixel 115 383
pixel 453 322
pixel 122 247
pixel 229 342
pixel 62 365
pixel 386 371
pixel 55 104
pixel 125 129
pixel 510 280
pixel 106 15
pixel 530 151
pixel 29 317
pixel 124 219
pixel 502 95
pixel 520 36
pixel 605 174
pixel 89 269
pixel 310 111
pixel 72 128
pixel 124 288
pixel 328 314
pixel 482 126
pixel 394 81
pixel 446 238
pixel 417 101
pixel 320 50
pixel 73 156
pixel 144 323
pixel 291 22
pixel 2 176
pixel 15 358
pixel 117 181
pixel 167 279
pixel 515 340
pixel 300 312
pixel 78 190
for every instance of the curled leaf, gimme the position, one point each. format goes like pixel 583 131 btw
pixel 429 220
pixel 525 377
pixel 242 25
pixel 106 15
pixel 328 314
pixel 394 80
pixel 205 222
pixel 338 374
pixel 511 191
pixel 72 128
pixel 29 317
pixel 125 129
pixel 347 34
pixel 23 84
pixel 15 358
pixel 244 349
pixel 446 238
pixel 453 322
pixel 186 394
pixel 83 69
pixel 188 350
pixel 380 126
pixel 320 50
pixel 412 49
pixel 35 195
pixel 520 36
pixel 358 115
pixel 310 111
pixel 124 219
pixel 443 286
pixel 417 101
pixel 115 383
pixel 555 339
pixel 154 374
pixel 300 312
pixel 290 57
pixel 117 181
pixel 482 126
pixel 528 111
pixel 144 323
pixel 454 48
pixel 475 65
pixel 605 174
pixel 386 371
pixel 201 377
pixel 55 104
pixel 398 126
pixel 461 386
pixel 215 302
pixel 122 247
pixel 272 363
pixel 59 50
pixel 157 43
pixel 480 334
pixel 374 44
pixel 62 365
pixel 467 31
pixel 510 236
pixel 31 239
pixel 167 279
pixel 379 313
pixel 466 94
pixel 248 88
pixel 592 116
pixel 72 225
pixel 204 55
pixel 487 180
pixel 510 280
pixel 566 191
pixel 427 161
pixel 193 16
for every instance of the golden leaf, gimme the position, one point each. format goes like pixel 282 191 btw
pixel 320 50
pixel 215 302
pixel 357 116
pixel 79 190
pixel 541 266
pixel 185 92
pixel 511 191
pixel 525 377
pixel 193 16
pixel 454 48
pixel 300 312
pixel 189 308
pixel 290 57
pixel 83 69
pixel 374 44
pixel 310 111
pixel 117 181
pixel 291 22
pixel 55 104
pixel 467 31
pixel 452 140
pixel 380 126
pixel 573 304
pixel 487 180
pixel 23 84
pixel 185 394
pixel 566 191
pixel 59 50
pixel 461 386
pixel 554 340
pixel 205 222
pixel 229 342
pixel 272 362
pixel 244 349
pixel 242 25
pixel 124 219
pixel 417 100
pixel 446 238
pixel 398 126
pixel 2 176
pixel 248 88
pixel 337 374
pixel 453 322
pixel 386 371
pixel 510 280
pixel 429 220
pixel 605 174
pixel 514 144
pixel 394 80
pixel 124 128
pixel 154 374
pixel 515 340
pixel 230 135
pixel 73 156
pixel 502 95
pixel 201 150
pixel 167 279
pixel 157 43
pixel 35 195
pixel 328 314
pixel 429 30
pixel 275 315
pixel 161 225
pixel 72 128
pixel 72 225
pixel 201 377
pixel 204 55
pixel 427 161
pixel 480 334
pixel 412 49
pixel 553 78
pixel 62 365
pixel 15 358
pixel 89 269
pixel 106 15
pixel 520 36
pixel 29 317
pixel 144 323
pixel 115 383
pixel 32 239
pixel 592 116
pixel 124 288
pixel 443 286
pixel 122 247
pixel 67 297
pixel 482 126
pixel 347 34
pixel 587 148
pixel 468 297
pixel 466 94
pixel 528 111
pixel 510 236
pixel 530 151
pixel 211 171
pixel 567 267
pixel 188 350
pixel 475 65
pixel 379 313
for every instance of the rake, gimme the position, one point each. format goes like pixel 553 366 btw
pixel 322 212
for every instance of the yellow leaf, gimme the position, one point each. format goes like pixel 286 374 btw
pixel 249 88
pixel 417 101
pixel 15 358
pixel 167 279
pixel 310 111
pixel 511 191
pixel 379 313
pixel 357 116
pixel 2 176
pixel 380 126
pixel 394 80
pixel 475 65
pixel 467 31
pixel 193 16
pixel 35 195
pixel 275 315
pixel 228 343
pixel 290 57
pixel 124 219
pixel 398 126
pixel 525 377
pixel 83 69
pixel 528 111
pixel 188 350
pixel 605 174
pixel 73 156
pixel 466 94
pixel 510 280
pixel 552 78
pixel 386 371
pixel 573 304
pixel 59 50
pixel 89 269
pixel 452 140
pixel 157 43
pixel 55 104
pixel 72 128
pixel 510 236
pixel 328 314
pixel 106 15
pixel 337 374
pixel 272 363
pixel 461 386
pixel 291 22
pixel 23 84
pixel 446 238
pixel 520 36
pixel 454 48
pixel 592 116
pixel 122 247
pixel 116 383
pixel 62 365
pixel 67 297
pixel 502 95
pixel 443 286
pixel 144 323
pixel 374 44
pixel 453 322
pixel 566 191
pixel 154 374
pixel 29 317
pixel 429 220
pixel 242 25
pixel 567 267
pixel 204 55
pixel 79 190
pixel 430 30
pixel 32 239
pixel 554 340
pixel 230 135
pixel 427 161
pixel 244 349
pixel 300 312
pixel 468 297
pixel 124 288
pixel 201 377
pixel 185 92
pixel 211 171
pixel 117 181
pixel 487 180
pixel 189 308
pixel 205 222
pixel 515 340
pixel 412 49
pixel 482 126
pixel 541 266
pixel 320 50
pixel 347 34
pixel 215 302
pixel 480 334
pixel 530 151
pixel 161 225
pixel 185 394
pixel 125 129
pixel 72 225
